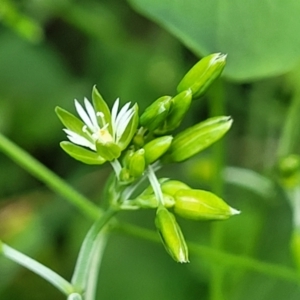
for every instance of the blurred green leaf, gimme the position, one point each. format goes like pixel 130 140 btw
pixel 260 36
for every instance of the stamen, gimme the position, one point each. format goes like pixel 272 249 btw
pixel 101 115
pixel 84 129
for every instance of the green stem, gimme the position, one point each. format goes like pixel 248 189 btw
pixel 155 185
pixel 53 181
pixel 219 257
pixel 88 252
pixel 96 259
pixel 290 133
pixel 31 264
pixel 216 105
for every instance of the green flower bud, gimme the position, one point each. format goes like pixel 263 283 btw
pixel 138 139
pixel 108 150
pixel 180 105
pixel 196 138
pixel 171 187
pixel 288 170
pixel 82 154
pixel 156 148
pixel 125 176
pixel 136 163
pixel 202 75
pixel 150 201
pixel 156 113
pixel 171 235
pixel 202 205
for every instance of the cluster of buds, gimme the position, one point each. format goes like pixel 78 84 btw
pixel 136 146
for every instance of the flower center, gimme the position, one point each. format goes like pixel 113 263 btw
pixel 104 136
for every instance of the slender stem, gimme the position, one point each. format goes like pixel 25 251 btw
pixel 96 259
pixel 36 267
pixel 216 103
pixel 290 132
pixel 155 185
pixel 219 257
pixel 116 166
pixel 90 243
pixel 54 182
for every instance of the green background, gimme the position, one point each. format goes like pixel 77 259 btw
pixel 54 51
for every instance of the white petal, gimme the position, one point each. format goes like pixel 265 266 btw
pixel 122 113
pixel 114 112
pixel 83 115
pixel 79 140
pixel 122 123
pixel 92 114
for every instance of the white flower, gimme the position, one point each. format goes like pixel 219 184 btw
pixel 112 128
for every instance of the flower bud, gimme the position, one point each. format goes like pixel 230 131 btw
pixel 82 154
pixel 125 176
pixel 171 187
pixel 150 201
pixel 171 235
pixel 288 170
pixel 202 75
pixel 136 163
pixel 156 113
pixel 202 205
pixel 180 105
pixel 156 148
pixel 196 138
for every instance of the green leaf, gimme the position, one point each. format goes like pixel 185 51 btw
pixel 259 36
pixel 82 154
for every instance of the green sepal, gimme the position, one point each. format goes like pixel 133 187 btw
pixel 202 205
pixel 179 107
pixel 71 122
pixel 136 163
pixel 171 187
pixel 197 138
pixel 156 113
pixel 171 235
pixel 130 130
pixel 101 106
pixel 156 148
pixel 79 153
pixel 202 75
pixel 108 150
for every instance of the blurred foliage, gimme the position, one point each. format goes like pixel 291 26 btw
pixel 255 34
pixel 52 51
